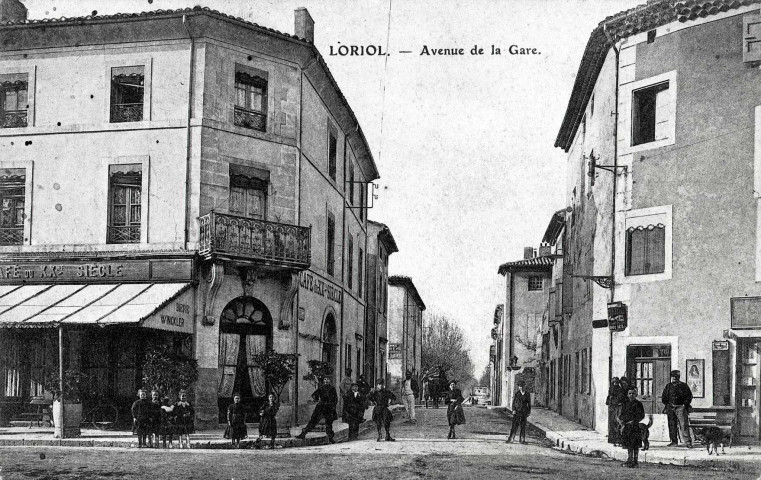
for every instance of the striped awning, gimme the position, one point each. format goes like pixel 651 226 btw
pixel 53 305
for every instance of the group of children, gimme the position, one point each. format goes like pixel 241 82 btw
pixel 154 419
pixel 236 421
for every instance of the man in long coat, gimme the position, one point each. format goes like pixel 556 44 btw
pixel 382 416
pixel 676 399
pixel 521 411
pixel 326 398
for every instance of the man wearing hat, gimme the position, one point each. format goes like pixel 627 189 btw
pixel 676 399
pixel 410 390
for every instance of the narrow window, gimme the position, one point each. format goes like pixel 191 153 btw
pixel 127 94
pixel 358 372
pixel 648 113
pixel 350 260
pixel 250 100
pixel 362 194
pixel 13 100
pixel 351 183
pixel 12 195
pixel 125 187
pixel 360 272
pixel 535 284
pixel 332 151
pixel 646 250
pixel 348 356
pixel 330 240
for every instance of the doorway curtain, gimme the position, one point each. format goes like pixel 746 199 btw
pixel 256 344
pixel 229 344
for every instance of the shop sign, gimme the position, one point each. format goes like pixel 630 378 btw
pixel 96 272
pixel 313 283
pixel 617 317
pixel 394 351
pixel 721 344
pixel 746 312
pixel 176 316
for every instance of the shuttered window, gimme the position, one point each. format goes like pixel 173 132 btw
pixel 645 250
pixel 330 240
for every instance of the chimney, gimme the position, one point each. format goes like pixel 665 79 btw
pixel 544 249
pixel 12 11
pixel 528 253
pixel 303 24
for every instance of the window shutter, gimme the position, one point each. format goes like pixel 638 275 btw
pixel 752 38
pixel 637 256
pixel 657 249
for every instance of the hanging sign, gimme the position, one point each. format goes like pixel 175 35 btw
pixel 617 317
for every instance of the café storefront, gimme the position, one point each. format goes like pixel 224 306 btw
pixel 109 312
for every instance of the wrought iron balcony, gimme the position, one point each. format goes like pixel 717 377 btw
pixel 250 119
pixel 240 238
pixel 126 112
pixel 13 119
pixel 123 234
pixel 12 236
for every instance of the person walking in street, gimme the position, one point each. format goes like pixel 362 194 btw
pixel 632 412
pixel 676 399
pixel 410 391
pixel 521 411
pixel 236 422
pixel 184 416
pixel 141 418
pixel 268 420
pixel 455 414
pixel 354 410
pixel 382 416
pixel 326 398
pixel 614 391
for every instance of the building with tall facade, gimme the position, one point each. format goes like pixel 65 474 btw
pixel 662 233
pixel 405 331
pixel 184 178
pixel 380 245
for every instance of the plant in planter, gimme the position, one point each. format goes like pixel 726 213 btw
pixel 168 371
pixel 317 371
pixel 76 389
pixel 278 368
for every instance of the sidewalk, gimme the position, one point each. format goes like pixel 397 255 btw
pixel 211 439
pixel 568 435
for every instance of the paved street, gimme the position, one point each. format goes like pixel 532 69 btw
pixel 421 451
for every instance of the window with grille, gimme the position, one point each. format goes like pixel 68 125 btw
pixel 535 283
pixel 329 244
pixel 332 152
pixel 12 203
pixel 13 100
pixel 125 209
pixel 645 249
pixel 127 94
pixel 250 99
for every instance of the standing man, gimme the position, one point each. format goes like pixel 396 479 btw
pixel 345 386
pixel 326 398
pixel 410 391
pixel 381 414
pixel 521 411
pixel 676 399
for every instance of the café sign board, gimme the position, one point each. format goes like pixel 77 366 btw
pixel 394 351
pixel 124 271
pixel 175 316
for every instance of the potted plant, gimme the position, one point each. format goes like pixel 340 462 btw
pixel 168 371
pixel 76 387
pixel 317 371
pixel 278 369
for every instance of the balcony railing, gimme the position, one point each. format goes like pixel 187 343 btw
pixel 123 234
pixel 13 119
pixel 126 112
pixel 250 119
pixel 12 236
pixel 235 237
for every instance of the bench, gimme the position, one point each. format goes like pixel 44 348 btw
pixel 719 417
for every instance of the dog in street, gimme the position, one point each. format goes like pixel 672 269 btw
pixel 712 437
pixel 645 431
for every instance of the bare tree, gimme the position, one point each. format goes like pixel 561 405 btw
pixel 445 348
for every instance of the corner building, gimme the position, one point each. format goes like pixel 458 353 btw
pixel 180 177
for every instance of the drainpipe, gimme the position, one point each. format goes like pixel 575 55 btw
pixel 188 140
pixel 615 191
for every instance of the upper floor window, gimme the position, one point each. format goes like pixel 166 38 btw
pixel 332 152
pixel 12 202
pixel 362 194
pixel 330 238
pixel 125 203
pixel 248 191
pixel 127 94
pixel 251 99
pixel 351 183
pixel 535 283
pixel 646 249
pixel 360 272
pixel 13 100
pixel 648 113
pixel 350 260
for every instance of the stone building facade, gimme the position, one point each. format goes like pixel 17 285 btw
pixel 405 331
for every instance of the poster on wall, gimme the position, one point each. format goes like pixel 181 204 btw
pixel 696 377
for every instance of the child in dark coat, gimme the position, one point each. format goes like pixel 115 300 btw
pixel 184 416
pixel 632 412
pixel 381 414
pixel 141 418
pixel 268 420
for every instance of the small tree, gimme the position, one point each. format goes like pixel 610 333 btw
pixel 317 371
pixel 77 386
pixel 278 368
pixel 168 371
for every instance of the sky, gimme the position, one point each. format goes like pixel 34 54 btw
pixel 463 144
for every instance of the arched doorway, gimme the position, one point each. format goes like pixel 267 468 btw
pixel 330 344
pixel 245 329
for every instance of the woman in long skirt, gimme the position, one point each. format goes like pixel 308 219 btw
pixel 632 412
pixel 236 422
pixel 614 391
pixel 268 420
pixel 455 415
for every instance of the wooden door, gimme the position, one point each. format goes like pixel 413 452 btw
pixel 748 380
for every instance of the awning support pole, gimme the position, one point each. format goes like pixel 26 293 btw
pixel 60 378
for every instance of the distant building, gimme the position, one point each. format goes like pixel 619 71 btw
pixel 405 330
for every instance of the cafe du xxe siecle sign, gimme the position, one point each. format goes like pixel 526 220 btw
pixel 97 272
